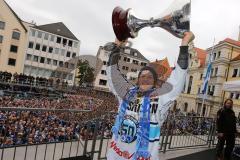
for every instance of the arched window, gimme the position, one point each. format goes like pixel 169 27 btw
pixel 189 85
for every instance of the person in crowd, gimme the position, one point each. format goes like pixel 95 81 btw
pixel 226 128
pixel 132 131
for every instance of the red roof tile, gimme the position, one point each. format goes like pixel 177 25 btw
pixel 201 54
pixel 231 41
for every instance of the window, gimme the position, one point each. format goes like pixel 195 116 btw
pixel 42 60
pixel 185 107
pixel 39 34
pixel 37 46
pixel 30 45
pixel 46 36
pixel 49 61
pixel 11 62
pixel 212 72
pixel 231 95
pixel 35 58
pixel 13 48
pixel 135 62
pixel 64 42
pixel 68 54
pixel 29 57
pixel 102 82
pixel 63 52
pixel 2 25
pixel 143 64
pixel 75 44
pixel 201 76
pixel 52 37
pixel 219 54
pixel 70 43
pixel 55 62
pixel 15 35
pixel 214 56
pixel 104 62
pixel 212 91
pixel 60 63
pixel 125 59
pixel 64 76
pixel 216 71
pixel 66 64
pixel 1 38
pixel 135 54
pixel 33 32
pixel 72 65
pixel 103 72
pixel 56 50
pixel 132 78
pixel 73 55
pixel 235 71
pixel 44 48
pixel 128 51
pixel 237 96
pixel 59 39
pixel 133 70
pixel 190 85
pixel 125 68
pixel 50 50
pixel 70 77
pixel 209 90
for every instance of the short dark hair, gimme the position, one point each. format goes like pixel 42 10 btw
pixel 147 68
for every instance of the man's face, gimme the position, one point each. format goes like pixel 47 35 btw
pixel 145 80
pixel 228 104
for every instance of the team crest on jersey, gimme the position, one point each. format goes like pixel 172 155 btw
pixel 128 130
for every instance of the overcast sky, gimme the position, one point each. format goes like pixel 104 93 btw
pixel 90 21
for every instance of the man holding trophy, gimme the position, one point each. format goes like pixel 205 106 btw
pixel 136 131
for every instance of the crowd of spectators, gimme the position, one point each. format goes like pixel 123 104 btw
pixel 18 126
pixel 35 127
pixel 182 123
pixel 30 80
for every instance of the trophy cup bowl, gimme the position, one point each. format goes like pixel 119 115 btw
pixel 119 23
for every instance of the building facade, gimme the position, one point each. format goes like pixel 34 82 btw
pixel 187 100
pixel 225 66
pixel 131 61
pixel 52 52
pixel 13 37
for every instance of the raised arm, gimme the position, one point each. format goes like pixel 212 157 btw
pixel 117 83
pixel 177 78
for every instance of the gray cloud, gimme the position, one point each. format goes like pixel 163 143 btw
pixel 90 21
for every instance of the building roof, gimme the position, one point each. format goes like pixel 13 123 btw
pixel 139 55
pixel 201 55
pixel 231 41
pixel 16 16
pixel 57 28
pixel 162 67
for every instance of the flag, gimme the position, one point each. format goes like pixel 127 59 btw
pixel 207 76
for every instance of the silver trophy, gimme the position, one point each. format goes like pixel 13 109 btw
pixel 126 25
